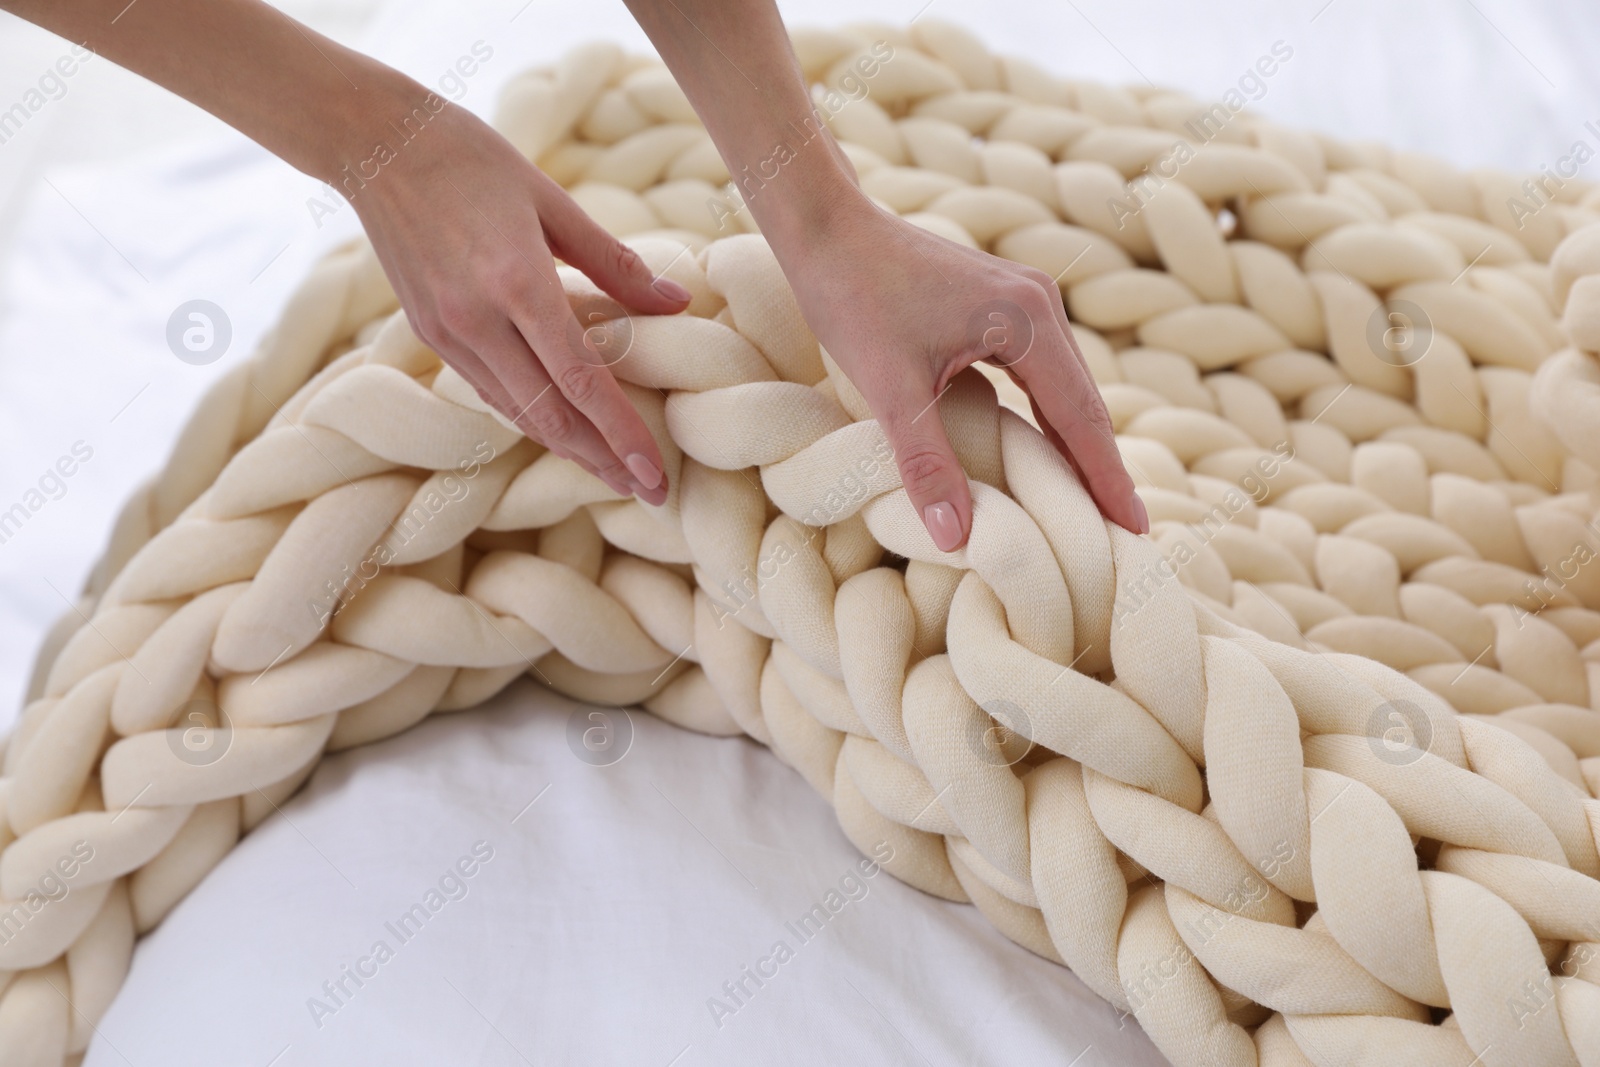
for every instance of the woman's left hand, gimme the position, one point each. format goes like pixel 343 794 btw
pixel 902 311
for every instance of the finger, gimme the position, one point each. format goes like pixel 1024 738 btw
pixel 1060 310
pixel 540 411
pixel 607 429
pixel 493 393
pixel 1104 481
pixel 545 415
pixel 1071 404
pixel 1055 439
pixel 929 469
pixel 609 263
pixel 620 490
pixel 1061 447
pixel 1052 367
pixel 511 412
pixel 467 364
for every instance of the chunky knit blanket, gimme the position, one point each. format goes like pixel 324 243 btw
pixel 1307 776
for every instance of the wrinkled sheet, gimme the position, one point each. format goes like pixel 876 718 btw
pixel 621 910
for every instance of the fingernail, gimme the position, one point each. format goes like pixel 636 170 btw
pixel 1141 514
pixel 648 473
pixel 943 525
pixel 670 289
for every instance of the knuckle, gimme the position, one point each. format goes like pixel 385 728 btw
pixel 452 314
pixel 511 290
pixel 551 421
pixel 624 259
pixel 427 328
pixel 921 469
pixel 578 382
pixel 1090 400
pixel 1039 297
pixel 1085 403
pixel 1045 283
pixel 1102 417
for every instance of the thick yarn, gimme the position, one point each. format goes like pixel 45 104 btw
pixel 1305 777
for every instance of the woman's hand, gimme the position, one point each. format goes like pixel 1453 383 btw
pixel 895 306
pixel 464 226
pixel 466 229
pixel 902 311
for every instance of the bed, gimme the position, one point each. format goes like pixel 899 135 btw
pixel 616 910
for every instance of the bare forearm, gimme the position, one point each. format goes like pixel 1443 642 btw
pixel 734 61
pixel 312 102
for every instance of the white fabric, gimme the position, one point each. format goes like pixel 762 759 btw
pixel 653 921
pixel 612 909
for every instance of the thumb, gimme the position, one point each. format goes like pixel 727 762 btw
pixel 617 269
pixel 929 469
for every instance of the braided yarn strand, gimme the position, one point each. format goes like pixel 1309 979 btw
pixel 1307 776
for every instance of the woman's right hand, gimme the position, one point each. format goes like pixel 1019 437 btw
pixel 467 231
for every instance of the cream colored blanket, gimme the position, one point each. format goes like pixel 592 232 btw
pixel 1308 776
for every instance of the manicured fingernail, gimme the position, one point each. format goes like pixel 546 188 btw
pixel 670 289
pixel 943 525
pixel 648 473
pixel 1141 514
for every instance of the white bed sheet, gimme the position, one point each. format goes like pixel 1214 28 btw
pixel 614 908
pixel 616 905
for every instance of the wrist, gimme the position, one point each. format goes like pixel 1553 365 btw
pixel 368 130
pixel 799 189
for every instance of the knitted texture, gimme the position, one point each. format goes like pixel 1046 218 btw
pixel 1307 776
